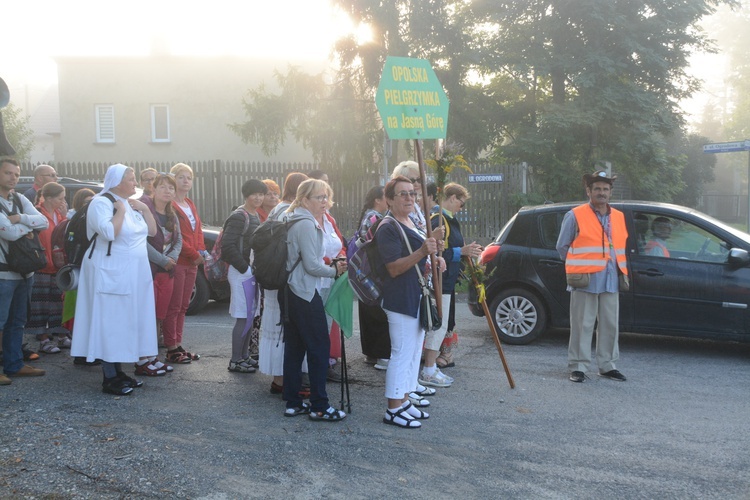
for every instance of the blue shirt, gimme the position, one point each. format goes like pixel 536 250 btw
pixel 402 293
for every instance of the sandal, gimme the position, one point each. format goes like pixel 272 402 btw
pixel 442 362
pixel 161 365
pixel 192 356
pixel 424 391
pixel 48 347
pixel 418 400
pixel 300 410
pixel 148 369
pixel 330 415
pixel 416 412
pixel 401 418
pixel 130 381
pixel 178 357
pixel 116 386
pixel 241 366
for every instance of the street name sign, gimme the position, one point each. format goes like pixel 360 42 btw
pixel 727 147
pixel 485 178
pixel 411 101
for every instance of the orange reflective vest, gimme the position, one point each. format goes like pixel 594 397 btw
pixel 589 251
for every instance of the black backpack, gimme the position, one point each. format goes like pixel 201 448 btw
pixel 270 254
pixel 26 254
pixel 76 238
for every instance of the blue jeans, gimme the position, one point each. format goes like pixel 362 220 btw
pixel 14 302
pixel 305 333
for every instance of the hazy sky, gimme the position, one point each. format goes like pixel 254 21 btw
pixel 35 30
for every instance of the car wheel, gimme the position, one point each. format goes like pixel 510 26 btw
pixel 201 294
pixel 518 316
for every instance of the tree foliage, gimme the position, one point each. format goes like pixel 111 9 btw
pixel 18 132
pixel 334 120
pixel 562 85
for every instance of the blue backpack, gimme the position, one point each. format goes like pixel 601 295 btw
pixel 365 265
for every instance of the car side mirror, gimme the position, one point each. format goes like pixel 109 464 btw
pixel 738 257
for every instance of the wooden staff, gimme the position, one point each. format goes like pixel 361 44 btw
pixel 433 259
pixel 491 323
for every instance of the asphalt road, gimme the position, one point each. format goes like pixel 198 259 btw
pixel 678 428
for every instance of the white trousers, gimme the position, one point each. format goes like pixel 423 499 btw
pixel 406 350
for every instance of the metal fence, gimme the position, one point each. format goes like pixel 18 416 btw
pixel 217 190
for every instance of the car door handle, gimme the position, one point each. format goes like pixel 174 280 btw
pixel 549 262
pixel 651 272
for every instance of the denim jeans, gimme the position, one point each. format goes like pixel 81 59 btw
pixel 306 333
pixel 14 302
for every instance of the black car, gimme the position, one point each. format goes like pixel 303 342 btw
pixel 204 289
pixel 697 286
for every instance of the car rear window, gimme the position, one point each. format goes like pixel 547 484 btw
pixel 549 229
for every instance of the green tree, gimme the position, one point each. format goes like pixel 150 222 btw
pixel 18 132
pixel 336 120
pixel 599 82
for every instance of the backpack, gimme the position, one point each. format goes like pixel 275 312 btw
pixel 365 267
pixel 26 254
pixel 57 241
pixel 356 241
pixel 270 250
pixel 214 267
pixel 76 240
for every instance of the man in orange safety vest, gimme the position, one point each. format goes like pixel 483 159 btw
pixel 592 242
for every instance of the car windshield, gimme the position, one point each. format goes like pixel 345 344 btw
pixel 726 227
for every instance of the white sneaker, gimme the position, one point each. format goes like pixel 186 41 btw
pixel 439 379
pixel 382 364
pixel 64 342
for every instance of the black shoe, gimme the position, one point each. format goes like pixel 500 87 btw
pixel 81 361
pixel 614 375
pixel 130 381
pixel 116 386
pixel 577 376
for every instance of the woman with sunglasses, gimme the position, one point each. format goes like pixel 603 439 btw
pixel 401 300
pixel 306 331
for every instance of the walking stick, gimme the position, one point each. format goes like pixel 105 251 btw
pixel 479 287
pixel 344 375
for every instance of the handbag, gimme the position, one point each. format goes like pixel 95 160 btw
pixel 578 280
pixel 429 318
pixel 26 254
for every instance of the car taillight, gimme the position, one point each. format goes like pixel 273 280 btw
pixel 489 254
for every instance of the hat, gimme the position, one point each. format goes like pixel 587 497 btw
pixel 598 176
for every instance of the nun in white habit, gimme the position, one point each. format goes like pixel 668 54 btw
pixel 115 318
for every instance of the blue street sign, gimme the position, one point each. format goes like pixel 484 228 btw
pixel 727 147
pixel 479 178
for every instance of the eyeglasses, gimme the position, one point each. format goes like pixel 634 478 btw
pixel 321 198
pixel 462 202
pixel 407 194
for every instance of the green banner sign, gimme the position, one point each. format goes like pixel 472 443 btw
pixel 411 101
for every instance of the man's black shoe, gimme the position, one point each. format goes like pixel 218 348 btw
pixel 577 376
pixel 614 375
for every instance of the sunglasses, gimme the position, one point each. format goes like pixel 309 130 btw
pixel 407 194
